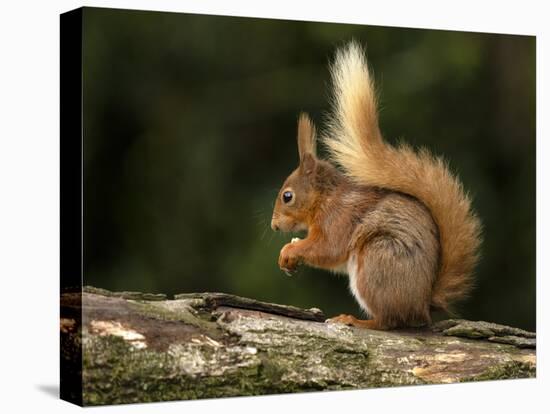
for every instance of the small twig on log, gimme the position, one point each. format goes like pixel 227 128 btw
pixel 215 300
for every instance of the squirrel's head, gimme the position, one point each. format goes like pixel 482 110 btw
pixel 299 193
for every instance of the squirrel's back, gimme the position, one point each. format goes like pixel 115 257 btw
pixel 355 143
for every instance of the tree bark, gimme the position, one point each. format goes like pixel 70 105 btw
pixel 142 347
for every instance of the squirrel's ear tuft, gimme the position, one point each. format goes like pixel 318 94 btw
pixel 306 136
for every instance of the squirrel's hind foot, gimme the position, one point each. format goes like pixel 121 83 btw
pixel 351 320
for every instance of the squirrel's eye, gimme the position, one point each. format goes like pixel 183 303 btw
pixel 287 196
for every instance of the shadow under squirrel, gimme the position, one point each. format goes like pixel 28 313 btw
pixel 395 220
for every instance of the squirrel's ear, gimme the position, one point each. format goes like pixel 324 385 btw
pixel 308 162
pixel 306 137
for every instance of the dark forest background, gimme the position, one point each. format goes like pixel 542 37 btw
pixel 189 130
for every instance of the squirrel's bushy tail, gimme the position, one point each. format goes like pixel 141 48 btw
pixel 354 141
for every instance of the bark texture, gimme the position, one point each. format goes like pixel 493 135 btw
pixel 142 347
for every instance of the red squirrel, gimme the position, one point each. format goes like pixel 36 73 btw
pixel 395 220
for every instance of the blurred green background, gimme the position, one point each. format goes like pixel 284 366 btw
pixel 189 130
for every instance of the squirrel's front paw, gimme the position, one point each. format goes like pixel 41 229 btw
pixel 288 259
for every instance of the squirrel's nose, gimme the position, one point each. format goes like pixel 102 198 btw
pixel 274 225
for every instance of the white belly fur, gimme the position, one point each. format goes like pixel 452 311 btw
pixel 352 272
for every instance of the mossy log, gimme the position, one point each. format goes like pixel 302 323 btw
pixel 140 347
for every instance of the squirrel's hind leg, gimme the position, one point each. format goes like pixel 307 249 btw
pixel 351 320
